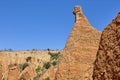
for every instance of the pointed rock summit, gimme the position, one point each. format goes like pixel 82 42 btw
pixel 80 50
pixel 107 63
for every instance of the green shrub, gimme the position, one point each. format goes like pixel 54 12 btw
pixel 47 65
pixel 54 63
pixel 28 58
pixel 37 77
pixel 54 55
pixel 10 50
pixel 38 69
pixel 48 49
pixel 23 66
pixel 47 78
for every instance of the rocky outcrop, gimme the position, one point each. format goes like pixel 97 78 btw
pixel 50 74
pixel 29 72
pixel 13 72
pixel 80 50
pixel 107 63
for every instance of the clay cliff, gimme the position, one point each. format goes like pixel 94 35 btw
pixel 80 50
pixel 26 65
pixel 107 63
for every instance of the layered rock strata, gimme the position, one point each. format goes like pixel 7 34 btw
pixel 80 50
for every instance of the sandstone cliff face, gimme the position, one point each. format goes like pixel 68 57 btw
pixel 80 50
pixel 107 63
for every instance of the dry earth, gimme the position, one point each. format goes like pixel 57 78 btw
pixel 22 65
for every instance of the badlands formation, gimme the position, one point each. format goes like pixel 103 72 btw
pixel 75 62
pixel 26 65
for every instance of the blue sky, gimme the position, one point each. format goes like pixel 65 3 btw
pixel 42 24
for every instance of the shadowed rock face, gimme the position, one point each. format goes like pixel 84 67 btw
pixel 107 63
pixel 80 50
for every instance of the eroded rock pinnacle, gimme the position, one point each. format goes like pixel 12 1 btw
pixel 80 50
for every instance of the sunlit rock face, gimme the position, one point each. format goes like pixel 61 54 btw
pixel 107 63
pixel 80 50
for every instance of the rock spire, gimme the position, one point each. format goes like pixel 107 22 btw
pixel 80 50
